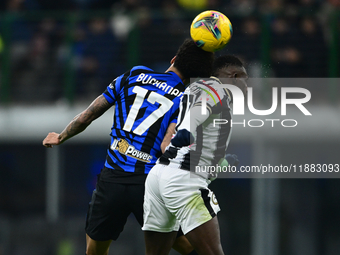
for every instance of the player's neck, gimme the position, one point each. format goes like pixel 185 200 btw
pixel 175 70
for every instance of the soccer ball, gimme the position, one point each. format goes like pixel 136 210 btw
pixel 211 30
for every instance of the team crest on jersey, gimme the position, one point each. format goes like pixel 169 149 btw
pixel 123 147
pixel 214 199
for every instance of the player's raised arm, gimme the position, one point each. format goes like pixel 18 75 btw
pixel 79 122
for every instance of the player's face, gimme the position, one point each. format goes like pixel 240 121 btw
pixel 237 75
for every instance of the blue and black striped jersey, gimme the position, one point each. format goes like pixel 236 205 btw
pixel 146 102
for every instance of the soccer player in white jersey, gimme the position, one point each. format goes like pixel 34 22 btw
pixel 174 195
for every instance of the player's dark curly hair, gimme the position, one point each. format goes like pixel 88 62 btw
pixel 225 61
pixel 193 62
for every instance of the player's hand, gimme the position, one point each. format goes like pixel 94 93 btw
pixel 232 159
pixel 51 139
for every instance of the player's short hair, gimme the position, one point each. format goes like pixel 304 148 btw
pixel 225 61
pixel 193 62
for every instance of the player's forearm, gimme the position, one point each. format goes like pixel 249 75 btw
pixel 85 118
pixel 168 135
pixel 76 126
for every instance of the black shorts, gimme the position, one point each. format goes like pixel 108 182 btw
pixel 110 206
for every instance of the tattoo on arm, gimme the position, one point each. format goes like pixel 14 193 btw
pixel 85 118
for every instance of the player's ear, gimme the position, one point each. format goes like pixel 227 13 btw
pixel 235 77
pixel 173 60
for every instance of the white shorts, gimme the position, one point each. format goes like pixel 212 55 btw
pixel 175 197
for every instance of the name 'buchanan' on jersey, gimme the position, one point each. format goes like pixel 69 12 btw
pixel 211 141
pixel 146 102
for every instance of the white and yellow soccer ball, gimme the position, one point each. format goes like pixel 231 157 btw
pixel 211 30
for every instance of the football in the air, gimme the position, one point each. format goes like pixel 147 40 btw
pixel 211 30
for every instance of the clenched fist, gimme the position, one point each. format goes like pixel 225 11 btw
pixel 51 139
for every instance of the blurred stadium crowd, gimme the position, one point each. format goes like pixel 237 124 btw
pixel 73 49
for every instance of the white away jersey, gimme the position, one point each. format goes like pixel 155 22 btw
pixel 203 102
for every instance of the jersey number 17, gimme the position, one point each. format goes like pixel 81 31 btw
pixel 165 105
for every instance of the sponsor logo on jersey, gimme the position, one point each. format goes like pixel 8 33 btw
pixel 123 147
pixel 214 199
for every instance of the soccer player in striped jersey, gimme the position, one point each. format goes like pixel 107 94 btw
pixel 146 109
pixel 175 194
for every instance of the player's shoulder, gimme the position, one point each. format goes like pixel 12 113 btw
pixel 211 84
pixel 217 85
pixel 139 69
pixel 210 88
pixel 146 72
